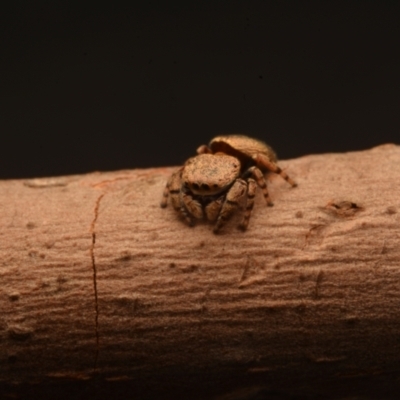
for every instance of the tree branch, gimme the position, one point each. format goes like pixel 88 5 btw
pixel 105 293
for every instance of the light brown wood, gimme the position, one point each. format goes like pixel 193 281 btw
pixel 103 289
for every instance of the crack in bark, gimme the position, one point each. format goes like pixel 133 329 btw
pixel 92 256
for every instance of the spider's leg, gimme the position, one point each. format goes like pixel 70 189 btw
pixel 189 207
pixel 259 177
pixel 251 193
pixel 172 188
pixel 204 149
pixel 231 203
pixel 264 161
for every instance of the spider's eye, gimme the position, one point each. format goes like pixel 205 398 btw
pixel 196 186
pixel 215 186
pixel 205 187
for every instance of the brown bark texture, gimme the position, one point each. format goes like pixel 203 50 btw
pixel 103 293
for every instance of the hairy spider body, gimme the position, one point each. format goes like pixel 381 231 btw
pixel 224 175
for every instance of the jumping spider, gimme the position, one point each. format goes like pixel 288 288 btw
pixel 223 175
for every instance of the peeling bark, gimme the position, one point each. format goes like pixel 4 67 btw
pixel 104 293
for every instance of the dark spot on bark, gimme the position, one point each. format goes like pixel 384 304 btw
pixel 125 256
pixel 190 269
pixel 13 296
pixel 342 209
pixel 391 210
pixel 351 320
pixel 61 279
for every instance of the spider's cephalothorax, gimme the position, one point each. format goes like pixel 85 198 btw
pixel 220 178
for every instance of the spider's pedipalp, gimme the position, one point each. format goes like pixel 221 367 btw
pixel 213 209
pixel 192 206
pixel 263 161
pixel 186 216
pixel 231 203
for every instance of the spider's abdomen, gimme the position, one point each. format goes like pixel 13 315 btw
pixel 242 147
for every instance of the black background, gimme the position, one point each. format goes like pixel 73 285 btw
pixel 103 87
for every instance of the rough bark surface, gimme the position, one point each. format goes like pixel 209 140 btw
pixel 103 293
